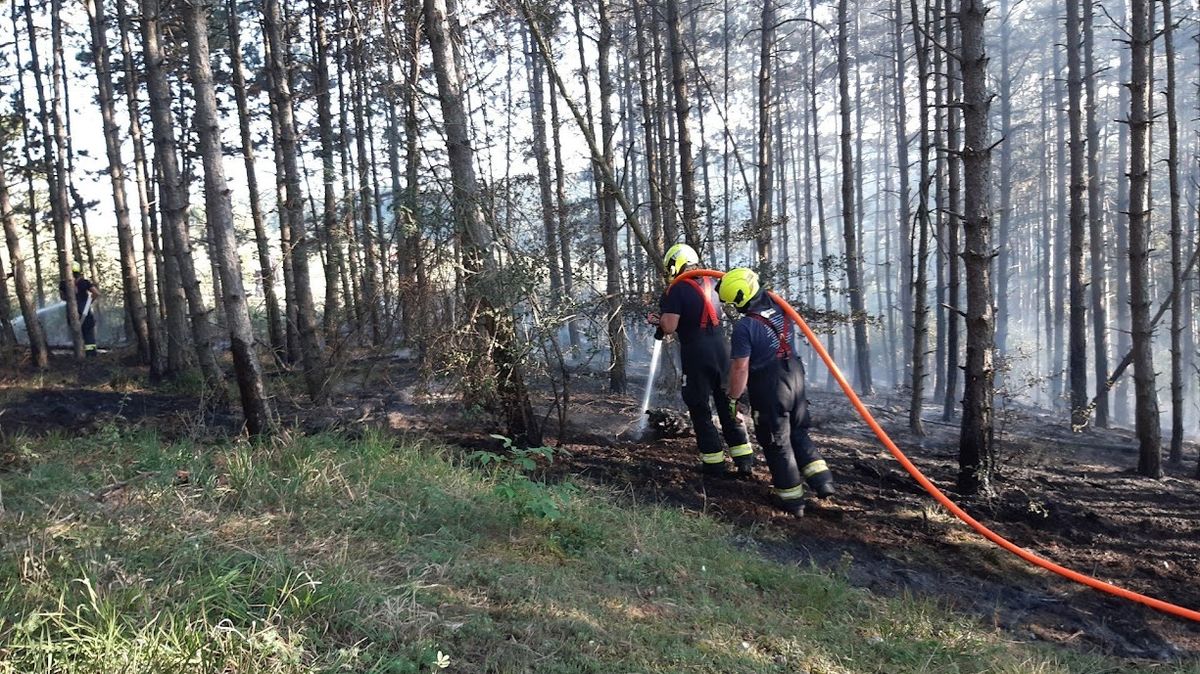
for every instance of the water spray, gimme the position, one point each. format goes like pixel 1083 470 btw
pixel 655 355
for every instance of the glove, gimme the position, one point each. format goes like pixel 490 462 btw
pixel 658 333
pixel 652 318
pixel 735 407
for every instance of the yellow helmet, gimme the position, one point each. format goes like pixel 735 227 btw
pixel 76 268
pixel 738 287
pixel 679 256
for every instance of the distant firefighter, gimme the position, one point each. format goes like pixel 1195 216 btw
pixel 86 296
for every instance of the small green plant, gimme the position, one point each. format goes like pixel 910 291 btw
pixel 532 497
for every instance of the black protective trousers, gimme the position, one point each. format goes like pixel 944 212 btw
pixel 705 364
pixel 781 423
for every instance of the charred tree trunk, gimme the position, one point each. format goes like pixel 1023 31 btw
pixel 1176 233
pixel 920 336
pixel 1077 348
pixel 902 167
pixel 1146 412
pixel 975 442
pixel 953 217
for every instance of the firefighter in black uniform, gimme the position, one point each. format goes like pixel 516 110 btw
pixel 689 310
pixel 765 364
pixel 85 294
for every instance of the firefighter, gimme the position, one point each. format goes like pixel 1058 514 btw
pixel 86 295
pixel 689 310
pixel 766 366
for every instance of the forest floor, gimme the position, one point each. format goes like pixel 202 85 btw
pixel 1073 498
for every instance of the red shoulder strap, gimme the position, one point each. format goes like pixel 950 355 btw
pixel 710 318
pixel 784 349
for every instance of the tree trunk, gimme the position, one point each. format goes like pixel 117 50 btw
pixel 536 79
pixel 173 197
pixel 608 215
pixel 496 330
pixel 310 345
pixel 158 358
pixel 1077 348
pixel 902 168
pixel 39 351
pixel 266 269
pixel 1176 233
pixel 131 286
pixel 330 314
pixel 1146 412
pixel 55 180
pixel 219 210
pixel 1061 228
pixel 862 350
pixel 975 442
pixel 762 225
pixel 1099 283
pixel 650 130
pixel 562 217
pixel 687 170
pixel 953 219
pixel 920 335
pixel 1007 142
pixel 1120 400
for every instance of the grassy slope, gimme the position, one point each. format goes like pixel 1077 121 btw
pixel 324 554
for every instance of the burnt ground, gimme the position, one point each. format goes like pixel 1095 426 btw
pixel 1073 498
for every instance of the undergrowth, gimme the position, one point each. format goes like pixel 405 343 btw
pixel 121 552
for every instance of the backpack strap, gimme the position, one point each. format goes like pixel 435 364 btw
pixel 709 318
pixel 784 348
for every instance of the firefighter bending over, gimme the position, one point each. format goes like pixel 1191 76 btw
pixel 765 363
pixel 689 310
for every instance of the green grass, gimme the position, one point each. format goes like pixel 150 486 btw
pixel 323 554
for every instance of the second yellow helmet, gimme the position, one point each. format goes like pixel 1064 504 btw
pixel 738 287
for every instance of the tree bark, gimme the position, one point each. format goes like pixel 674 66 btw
pixel 608 216
pixel 858 313
pixel 902 168
pixel 219 210
pixel 39 351
pixel 266 270
pixel 536 79
pixel 159 357
pixel 1099 283
pixel 953 219
pixel 310 345
pixel 173 197
pixel 134 306
pixel 763 224
pixel 1176 233
pixel 1146 417
pixel 975 442
pixel 1077 365
pixel 330 313
pixel 687 169
pixel 920 334
pixel 55 181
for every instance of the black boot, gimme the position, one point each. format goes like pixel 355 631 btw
pixel 714 469
pixel 822 484
pixel 793 507
pixel 745 465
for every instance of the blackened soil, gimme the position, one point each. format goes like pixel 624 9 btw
pixel 1072 498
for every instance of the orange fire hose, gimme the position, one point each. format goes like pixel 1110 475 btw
pixel 1157 604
